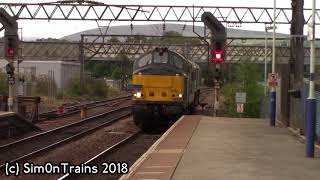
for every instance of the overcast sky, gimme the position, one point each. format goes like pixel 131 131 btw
pixel 58 29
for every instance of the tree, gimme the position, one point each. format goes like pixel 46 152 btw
pixel 295 67
pixel 247 77
pixel 172 37
pixel 100 69
pixel 113 40
pixel 136 39
pixel 116 74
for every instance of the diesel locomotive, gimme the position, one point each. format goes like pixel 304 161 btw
pixel 166 85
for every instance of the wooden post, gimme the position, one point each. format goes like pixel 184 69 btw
pixel 84 112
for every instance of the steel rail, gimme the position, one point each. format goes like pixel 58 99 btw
pixel 70 110
pixel 12 146
pixel 105 152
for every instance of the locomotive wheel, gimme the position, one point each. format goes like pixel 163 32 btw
pixel 191 108
pixel 142 123
pixel 197 100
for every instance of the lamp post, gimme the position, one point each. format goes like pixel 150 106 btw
pixel 267 28
pixel 311 101
pixel 273 90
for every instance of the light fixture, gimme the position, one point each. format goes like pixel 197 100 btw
pixel 138 94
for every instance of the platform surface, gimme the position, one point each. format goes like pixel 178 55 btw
pixel 201 147
pixel 15 120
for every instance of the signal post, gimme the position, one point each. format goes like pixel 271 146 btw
pixel 218 43
pixel 11 43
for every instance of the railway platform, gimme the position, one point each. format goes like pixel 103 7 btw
pixel 200 147
pixel 10 121
pixel 5 114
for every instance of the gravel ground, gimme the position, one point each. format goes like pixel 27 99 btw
pixel 83 149
pixel 55 123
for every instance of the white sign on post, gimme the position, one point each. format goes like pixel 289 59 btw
pixel 240 108
pixel 241 97
pixel 310 36
pixel 273 79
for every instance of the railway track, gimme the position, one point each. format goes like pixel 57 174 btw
pixel 32 146
pixel 203 93
pixel 73 109
pixel 99 158
pixel 127 151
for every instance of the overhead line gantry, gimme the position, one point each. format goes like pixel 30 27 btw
pixel 155 13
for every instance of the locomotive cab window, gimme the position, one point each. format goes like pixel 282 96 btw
pixel 147 59
pixel 160 57
pixel 177 61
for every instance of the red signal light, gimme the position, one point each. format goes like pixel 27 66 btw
pixel 217 56
pixel 11 51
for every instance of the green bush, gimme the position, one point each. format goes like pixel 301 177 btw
pixel 98 88
pixel 229 91
pixel 42 86
pixel 60 95
pixel 3 84
pixel 39 86
pixel 92 87
pixel 74 89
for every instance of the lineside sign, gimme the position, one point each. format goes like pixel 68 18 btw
pixel 240 108
pixel 273 79
pixel 241 99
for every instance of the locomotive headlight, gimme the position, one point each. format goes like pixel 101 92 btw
pixel 138 94
pixel 180 95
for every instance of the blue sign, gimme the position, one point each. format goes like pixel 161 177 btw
pixel 134 87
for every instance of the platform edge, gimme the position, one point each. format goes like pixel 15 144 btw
pixel 145 156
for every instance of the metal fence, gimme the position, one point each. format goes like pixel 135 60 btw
pixel 297 114
pixel 318 115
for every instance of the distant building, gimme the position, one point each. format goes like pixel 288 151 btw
pixel 63 72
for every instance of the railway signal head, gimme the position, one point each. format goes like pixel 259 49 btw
pixel 11 46
pixel 217 74
pixel 217 57
pixel 10 69
pixel 218 53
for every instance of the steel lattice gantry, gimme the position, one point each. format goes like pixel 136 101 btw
pixel 108 51
pixel 162 13
pixel 90 10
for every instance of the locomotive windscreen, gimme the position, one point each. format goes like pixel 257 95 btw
pixel 160 58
